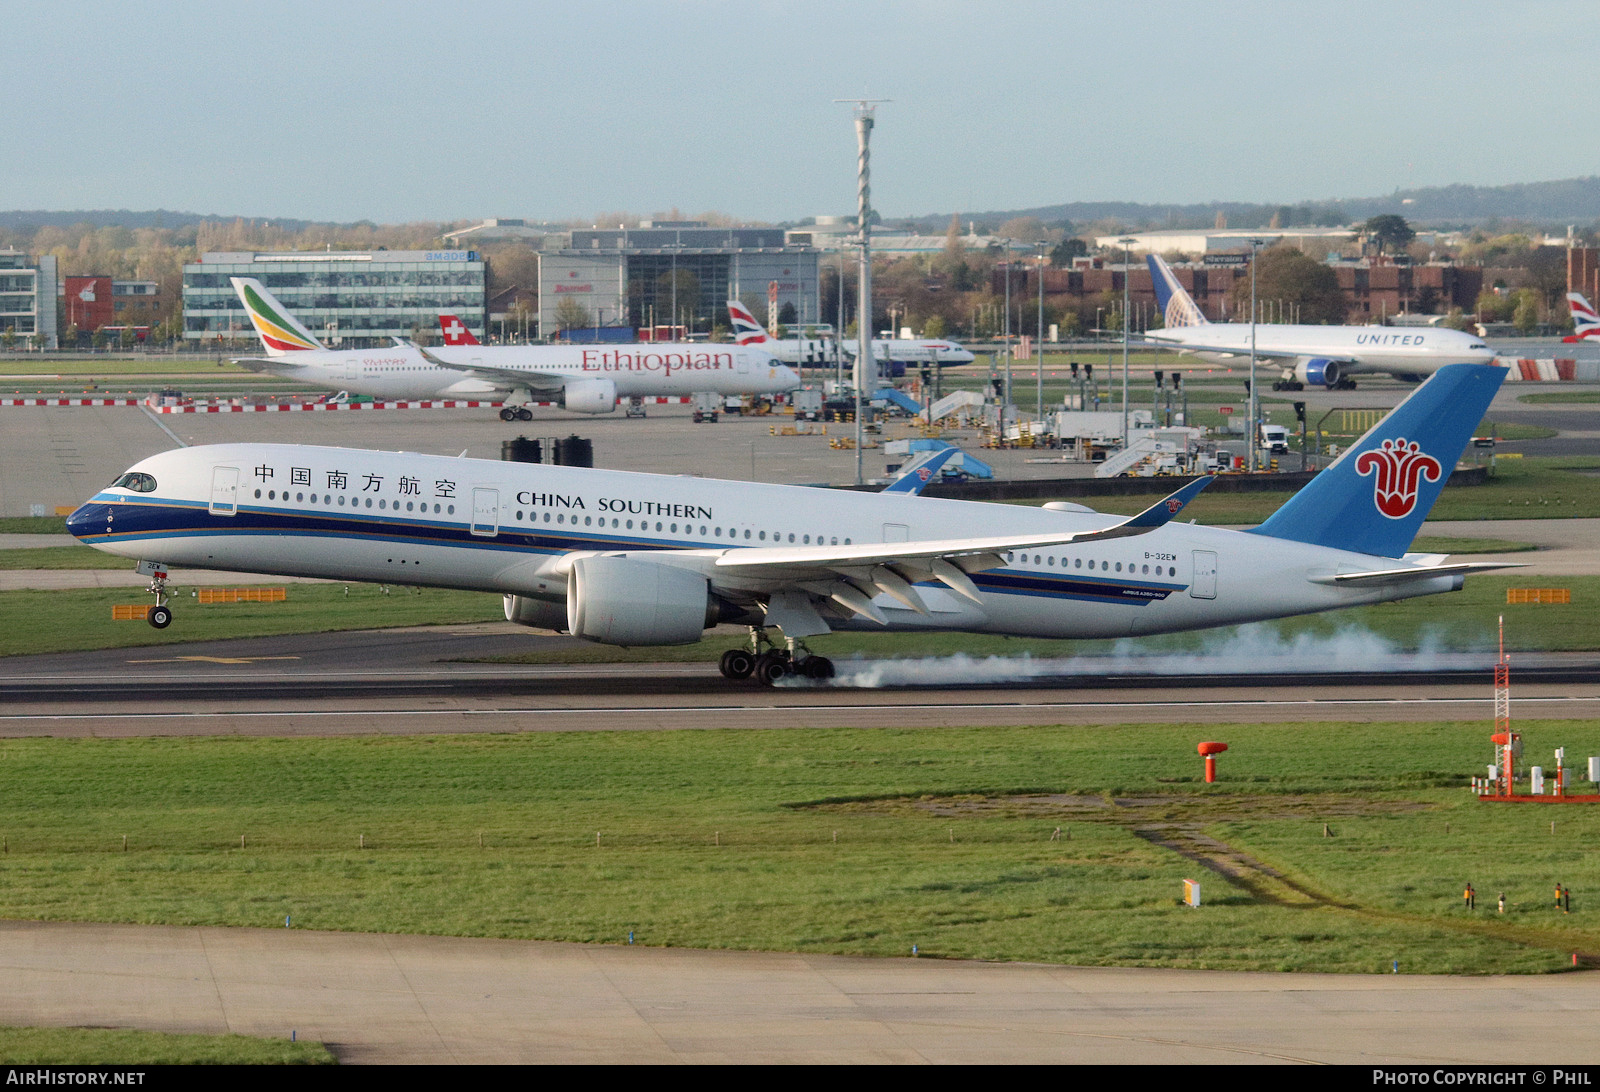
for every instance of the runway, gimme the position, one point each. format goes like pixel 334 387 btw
pixel 424 681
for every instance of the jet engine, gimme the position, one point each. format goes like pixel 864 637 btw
pixel 590 396
pixel 621 601
pixel 1319 372
pixel 536 613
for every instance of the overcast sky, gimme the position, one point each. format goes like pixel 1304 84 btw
pixel 349 109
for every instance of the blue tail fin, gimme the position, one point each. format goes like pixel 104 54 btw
pixel 1177 306
pixel 1375 496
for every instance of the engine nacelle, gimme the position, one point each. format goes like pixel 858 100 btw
pixel 1319 371
pixel 590 396
pixel 620 601
pixel 536 613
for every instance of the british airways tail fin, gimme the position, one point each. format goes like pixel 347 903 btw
pixel 280 332
pixel 746 330
pixel 1585 323
pixel 455 331
pixel 1177 306
pixel 1374 497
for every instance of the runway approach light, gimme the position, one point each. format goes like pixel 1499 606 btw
pixel 1209 751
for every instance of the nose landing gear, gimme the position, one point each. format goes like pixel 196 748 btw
pixel 160 615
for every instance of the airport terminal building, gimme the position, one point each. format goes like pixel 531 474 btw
pixel 28 298
pixel 344 297
pixel 646 275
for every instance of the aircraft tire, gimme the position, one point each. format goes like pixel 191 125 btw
pixel 737 663
pixel 817 667
pixel 160 617
pixel 524 414
pixel 508 414
pixel 770 668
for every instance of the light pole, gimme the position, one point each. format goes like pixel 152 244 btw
pixel 1250 445
pixel 1006 325
pixel 1126 255
pixel 1040 384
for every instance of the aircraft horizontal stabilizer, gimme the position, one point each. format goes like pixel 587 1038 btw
pixel 1392 577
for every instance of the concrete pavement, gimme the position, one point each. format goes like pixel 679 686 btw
pixel 412 999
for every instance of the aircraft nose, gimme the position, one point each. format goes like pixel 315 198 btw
pixel 84 520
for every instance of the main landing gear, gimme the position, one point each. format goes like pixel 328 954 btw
pixel 773 663
pixel 516 413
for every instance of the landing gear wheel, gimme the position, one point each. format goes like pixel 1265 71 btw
pixel 770 667
pixel 817 667
pixel 508 414
pixel 737 663
pixel 524 414
pixel 160 617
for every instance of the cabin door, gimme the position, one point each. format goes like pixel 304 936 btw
pixel 1204 585
pixel 485 511
pixel 224 490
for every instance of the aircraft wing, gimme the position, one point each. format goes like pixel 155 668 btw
pixel 793 579
pixel 522 377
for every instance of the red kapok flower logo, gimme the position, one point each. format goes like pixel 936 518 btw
pixel 1397 468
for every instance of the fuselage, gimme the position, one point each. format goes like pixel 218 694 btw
pixel 637 370
pixel 1404 350
pixel 511 528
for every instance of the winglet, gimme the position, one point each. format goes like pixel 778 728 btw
pixel 916 477
pixel 1166 509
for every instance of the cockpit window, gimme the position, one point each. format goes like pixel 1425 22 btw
pixel 139 483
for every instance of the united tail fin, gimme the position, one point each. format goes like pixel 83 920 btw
pixel 280 331
pixel 1585 323
pixel 1177 306
pixel 455 331
pixel 1374 497
pixel 746 330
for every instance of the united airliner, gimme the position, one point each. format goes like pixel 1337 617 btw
pixel 644 559
pixel 1319 356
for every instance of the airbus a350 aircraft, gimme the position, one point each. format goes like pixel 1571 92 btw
pixel 582 378
pixel 645 559
pixel 817 353
pixel 1323 356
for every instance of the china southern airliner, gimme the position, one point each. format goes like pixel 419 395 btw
pixel 1322 356
pixel 581 378
pixel 646 559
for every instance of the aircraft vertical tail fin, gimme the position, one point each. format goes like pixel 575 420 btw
pixel 455 331
pixel 279 331
pixel 1585 322
pixel 746 330
pixel 1177 306
pixel 1374 497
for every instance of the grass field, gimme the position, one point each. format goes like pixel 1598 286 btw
pixel 122 1047
pixel 855 841
pixel 74 620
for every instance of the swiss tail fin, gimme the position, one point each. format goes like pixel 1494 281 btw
pixel 1373 499
pixel 746 330
pixel 1177 306
pixel 1585 323
pixel 280 331
pixel 455 331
